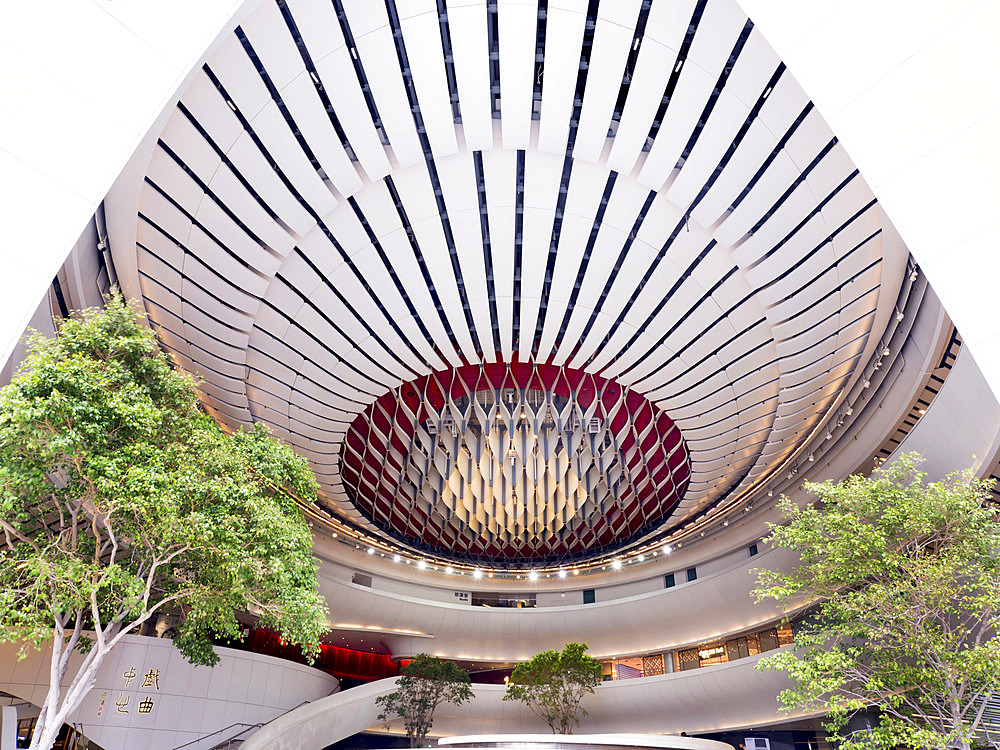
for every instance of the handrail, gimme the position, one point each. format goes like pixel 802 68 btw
pixel 218 731
pixel 248 726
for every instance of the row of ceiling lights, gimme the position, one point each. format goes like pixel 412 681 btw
pixel 649 552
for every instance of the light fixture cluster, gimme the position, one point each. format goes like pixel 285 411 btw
pixel 711 521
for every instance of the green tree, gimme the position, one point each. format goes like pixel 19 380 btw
pixel 907 582
pixel 120 498
pixel 426 683
pixel 553 685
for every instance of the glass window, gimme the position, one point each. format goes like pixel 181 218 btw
pixel 785 633
pixel 737 648
pixel 668 581
pixel 753 549
pixel 588 596
pixel 768 640
pixel 711 653
pixel 688 659
pixel 692 574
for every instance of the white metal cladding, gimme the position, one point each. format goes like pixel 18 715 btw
pixel 351 195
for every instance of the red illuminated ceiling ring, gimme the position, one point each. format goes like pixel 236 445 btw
pixel 515 464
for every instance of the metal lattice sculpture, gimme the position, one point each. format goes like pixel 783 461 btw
pixel 520 463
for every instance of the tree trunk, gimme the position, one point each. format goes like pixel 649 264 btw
pixel 59 705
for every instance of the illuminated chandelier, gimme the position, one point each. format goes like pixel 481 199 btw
pixel 519 462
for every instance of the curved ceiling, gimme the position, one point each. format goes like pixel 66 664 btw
pixel 351 195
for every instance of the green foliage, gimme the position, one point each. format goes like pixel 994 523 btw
pixel 553 684
pixel 120 497
pixel 426 683
pixel 907 580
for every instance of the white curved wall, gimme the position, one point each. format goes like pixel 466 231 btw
pixel 961 426
pixel 82 83
pixel 243 688
pixel 669 704
pixel 715 605
pixel 910 89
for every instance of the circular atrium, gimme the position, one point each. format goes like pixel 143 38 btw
pixel 351 204
pixel 557 299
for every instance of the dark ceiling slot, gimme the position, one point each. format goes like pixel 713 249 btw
pixel 691 310
pixel 540 29
pixel 418 121
pixel 300 44
pixel 778 148
pixel 234 255
pixel 407 371
pixel 484 229
pixel 709 355
pixel 449 61
pixel 666 297
pixel 784 274
pixel 264 302
pixel 421 261
pixel 282 108
pixel 550 263
pixel 193 304
pixel 323 345
pixel 590 25
pixel 349 262
pixel 359 70
pixel 630 63
pixel 518 237
pixel 393 275
pixel 723 317
pixel 615 269
pixel 800 178
pixel 215 199
pixel 754 112
pixel 585 260
pixel 164 311
pixel 675 74
pixel 493 38
pixel 720 84
pixel 738 138
pixel 835 290
pixel 236 172
pixel 60 299
pixel 343 334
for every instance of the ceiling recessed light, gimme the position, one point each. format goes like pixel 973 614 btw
pixel 616 564
pixel 422 564
pixel 396 558
pixel 562 573
pixel 533 575
pixel 371 550
pixel 449 570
